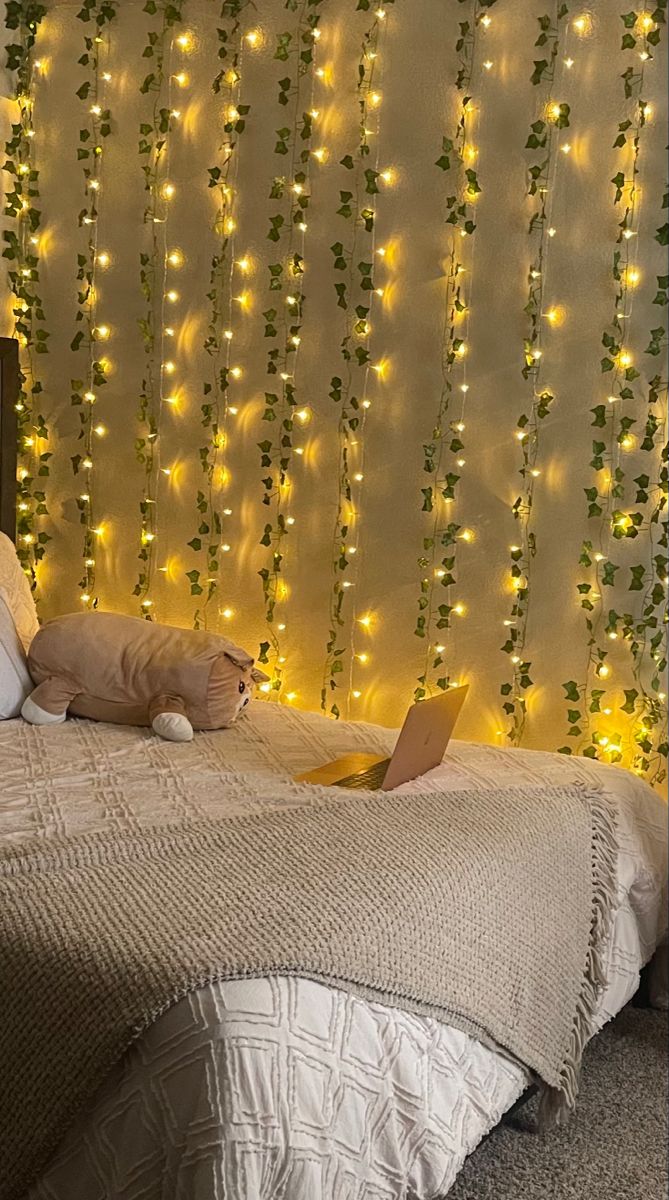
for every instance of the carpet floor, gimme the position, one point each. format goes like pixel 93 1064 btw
pixel 614 1147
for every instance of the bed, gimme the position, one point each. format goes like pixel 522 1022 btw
pixel 283 1088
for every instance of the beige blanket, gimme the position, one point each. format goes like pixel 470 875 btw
pixel 487 913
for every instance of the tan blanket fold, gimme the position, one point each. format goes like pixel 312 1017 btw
pixel 487 912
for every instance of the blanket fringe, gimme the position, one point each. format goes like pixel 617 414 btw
pixel 557 1104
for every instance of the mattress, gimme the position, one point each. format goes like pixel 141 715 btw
pixel 284 1089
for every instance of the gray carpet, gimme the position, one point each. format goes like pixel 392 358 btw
pixel 614 1148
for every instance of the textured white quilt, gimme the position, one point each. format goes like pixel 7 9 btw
pixel 284 1089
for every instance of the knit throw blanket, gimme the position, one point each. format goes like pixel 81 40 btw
pixel 487 912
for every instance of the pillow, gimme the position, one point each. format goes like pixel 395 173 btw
pixel 15 591
pixel 15 682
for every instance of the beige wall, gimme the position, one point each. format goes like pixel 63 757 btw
pixel 418 66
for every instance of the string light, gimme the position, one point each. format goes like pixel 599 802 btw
pixel 460 153
pixel 357 298
pixel 648 736
pixel 582 24
pixel 21 252
pixel 158 260
pixel 288 227
pixel 92 136
pixel 545 147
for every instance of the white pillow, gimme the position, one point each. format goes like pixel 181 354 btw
pixel 16 593
pixel 15 682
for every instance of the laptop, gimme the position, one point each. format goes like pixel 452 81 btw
pixel 420 746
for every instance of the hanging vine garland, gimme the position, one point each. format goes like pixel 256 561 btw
pixel 646 634
pixel 211 505
pixel 90 261
pixel 156 264
pixel 367 376
pixel 607 503
pixel 21 250
pixel 443 453
pixel 290 195
pixel 544 144
pixel 348 391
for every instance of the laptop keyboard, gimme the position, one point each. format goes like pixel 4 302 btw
pixel 372 777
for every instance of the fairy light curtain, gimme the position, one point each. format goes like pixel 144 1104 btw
pixel 343 332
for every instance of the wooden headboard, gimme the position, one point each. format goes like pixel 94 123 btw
pixel 9 394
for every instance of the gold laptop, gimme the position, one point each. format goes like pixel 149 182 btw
pixel 420 746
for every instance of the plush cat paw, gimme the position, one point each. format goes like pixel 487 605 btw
pixel 174 727
pixel 35 715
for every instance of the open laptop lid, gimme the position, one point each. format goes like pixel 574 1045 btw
pixel 424 736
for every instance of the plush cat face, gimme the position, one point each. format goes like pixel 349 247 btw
pixel 246 687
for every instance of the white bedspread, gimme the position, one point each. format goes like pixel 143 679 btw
pixel 285 1089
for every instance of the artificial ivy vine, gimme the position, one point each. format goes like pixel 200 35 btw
pixel 646 633
pixel 353 260
pixel 443 451
pixel 626 509
pixel 154 276
pixel 21 249
pixel 211 510
pixel 290 196
pixel 542 143
pixel 90 261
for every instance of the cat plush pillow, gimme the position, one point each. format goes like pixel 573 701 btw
pixel 122 669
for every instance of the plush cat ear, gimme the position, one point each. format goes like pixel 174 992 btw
pixel 259 676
